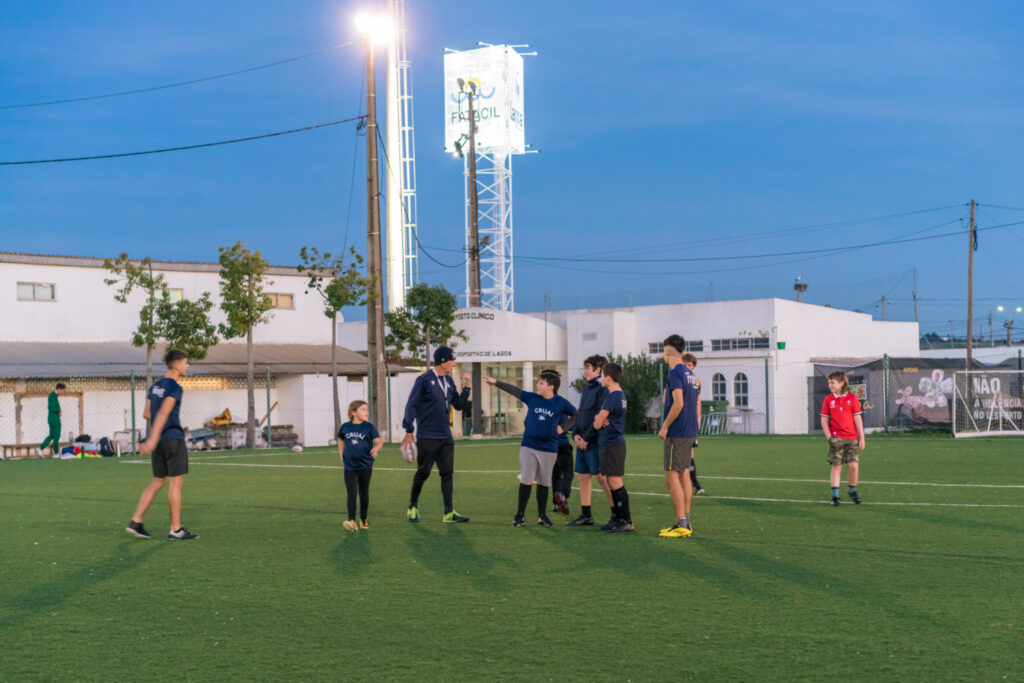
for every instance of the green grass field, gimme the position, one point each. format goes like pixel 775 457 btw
pixel 921 582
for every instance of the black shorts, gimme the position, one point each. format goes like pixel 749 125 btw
pixel 170 458
pixel 613 459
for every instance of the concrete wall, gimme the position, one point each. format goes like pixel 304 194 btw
pixel 85 309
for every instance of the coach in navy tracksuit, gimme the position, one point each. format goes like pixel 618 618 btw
pixel 427 414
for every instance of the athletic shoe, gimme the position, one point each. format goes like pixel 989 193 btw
pixel 699 492
pixel 363 524
pixel 454 516
pixel 136 529
pixel 611 523
pixel 835 501
pixel 544 520
pixel 582 520
pixel 413 514
pixel 561 505
pixel 519 520
pixel 621 526
pixel 182 534
pixel 675 531
pixel 350 525
pixel 855 498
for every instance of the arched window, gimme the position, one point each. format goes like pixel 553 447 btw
pixel 739 390
pixel 718 387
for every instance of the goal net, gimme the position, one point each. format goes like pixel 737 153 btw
pixel 988 403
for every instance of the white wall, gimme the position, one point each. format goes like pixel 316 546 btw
pixel 85 309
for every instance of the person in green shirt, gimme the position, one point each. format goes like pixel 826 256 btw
pixel 53 420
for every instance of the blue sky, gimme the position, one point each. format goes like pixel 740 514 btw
pixel 699 130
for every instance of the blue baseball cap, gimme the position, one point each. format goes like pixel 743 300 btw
pixel 442 354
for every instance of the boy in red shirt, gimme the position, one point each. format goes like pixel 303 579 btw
pixel 844 428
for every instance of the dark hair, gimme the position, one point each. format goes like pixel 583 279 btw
pixel 613 372
pixel 596 361
pixel 354 406
pixel 61 385
pixel 840 376
pixel 552 377
pixel 173 356
pixel 676 342
pixel 689 358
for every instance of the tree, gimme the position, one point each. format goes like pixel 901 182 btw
pixel 640 383
pixel 186 325
pixel 427 319
pixel 339 286
pixel 246 305
pixel 132 275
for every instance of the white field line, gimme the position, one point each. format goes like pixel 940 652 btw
pixel 635 493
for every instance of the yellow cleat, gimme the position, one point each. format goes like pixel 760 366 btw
pixel 350 525
pixel 675 532
pixel 363 524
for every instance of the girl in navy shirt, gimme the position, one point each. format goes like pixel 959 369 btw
pixel 358 443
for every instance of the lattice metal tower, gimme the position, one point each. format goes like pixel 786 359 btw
pixel 494 227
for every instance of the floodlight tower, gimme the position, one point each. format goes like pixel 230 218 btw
pixel 402 261
pixel 493 77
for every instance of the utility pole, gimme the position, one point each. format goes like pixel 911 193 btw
pixel 991 320
pixel 970 284
pixel 951 333
pixel 376 386
pixel 1009 327
pixel 711 291
pixel 915 295
pixel 474 256
pixel 883 307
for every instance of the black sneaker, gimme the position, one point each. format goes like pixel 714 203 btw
pixel 136 529
pixel 182 534
pixel 621 526
pixel 544 520
pixel 855 498
pixel 582 520
pixel 519 520
pixel 835 501
pixel 612 523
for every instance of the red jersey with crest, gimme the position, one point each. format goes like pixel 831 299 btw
pixel 840 411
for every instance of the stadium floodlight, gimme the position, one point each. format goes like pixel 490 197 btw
pixel 376 27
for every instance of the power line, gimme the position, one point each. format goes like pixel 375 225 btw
pixel 178 84
pixel 184 147
pixel 1008 208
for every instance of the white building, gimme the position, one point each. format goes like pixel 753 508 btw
pixel 755 355
pixel 62 323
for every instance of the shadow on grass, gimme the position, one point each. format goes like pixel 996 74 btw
pixel 353 552
pixel 450 553
pixel 38 599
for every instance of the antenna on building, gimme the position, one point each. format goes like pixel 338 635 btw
pixel 800 286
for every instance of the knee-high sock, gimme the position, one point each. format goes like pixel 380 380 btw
pixel 693 475
pixel 621 499
pixel 542 499
pixel 524 497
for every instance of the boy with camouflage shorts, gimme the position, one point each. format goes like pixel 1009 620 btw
pixel 843 425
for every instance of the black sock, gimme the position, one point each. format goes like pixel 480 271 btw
pixel 621 499
pixel 542 500
pixel 615 509
pixel 586 511
pixel 524 497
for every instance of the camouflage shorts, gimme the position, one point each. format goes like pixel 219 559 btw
pixel 842 451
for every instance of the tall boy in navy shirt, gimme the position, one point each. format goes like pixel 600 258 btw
pixel 588 462
pixel 679 432
pixel 546 411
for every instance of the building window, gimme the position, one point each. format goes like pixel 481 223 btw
pixel 37 291
pixel 281 300
pixel 739 344
pixel 739 390
pixel 718 387
pixel 695 346
pixel 655 348
pixel 175 294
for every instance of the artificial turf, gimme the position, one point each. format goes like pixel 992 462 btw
pixel 774 584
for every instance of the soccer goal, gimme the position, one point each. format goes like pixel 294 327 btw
pixel 988 403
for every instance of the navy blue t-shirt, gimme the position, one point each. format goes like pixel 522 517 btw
pixel 358 442
pixel 613 432
pixel 685 424
pixel 543 415
pixel 167 388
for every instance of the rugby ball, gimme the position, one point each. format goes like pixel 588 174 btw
pixel 296 448
pixel 409 452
